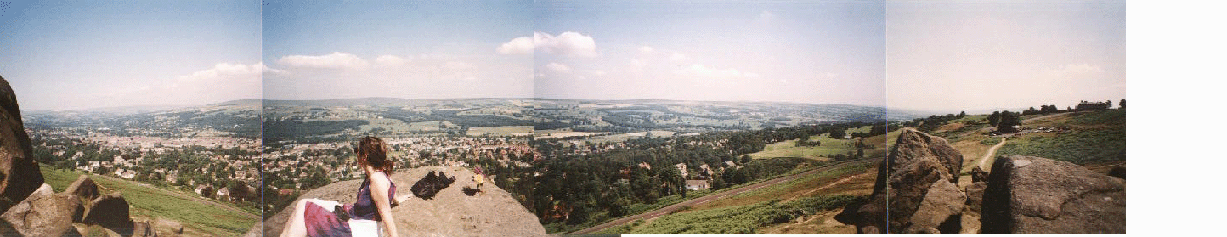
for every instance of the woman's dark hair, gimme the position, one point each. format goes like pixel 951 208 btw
pixel 375 152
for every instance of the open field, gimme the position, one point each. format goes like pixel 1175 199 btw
pixel 827 148
pixel 500 131
pixel 198 215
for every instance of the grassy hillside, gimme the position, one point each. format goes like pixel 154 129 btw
pixel 1093 137
pixel 198 215
pixel 828 147
pixel 737 219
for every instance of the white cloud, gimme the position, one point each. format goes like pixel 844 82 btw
pixel 570 43
pixel 556 67
pixel 390 60
pixel 227 72
pixel 519 45
pixel 646 49
pixel 336 60
pixel 678 57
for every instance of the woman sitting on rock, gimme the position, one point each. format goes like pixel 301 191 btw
pixel 314 217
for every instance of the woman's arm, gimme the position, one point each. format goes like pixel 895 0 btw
pixel 379 193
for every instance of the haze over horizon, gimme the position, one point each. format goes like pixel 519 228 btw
pixel 959 55
pixel 82 55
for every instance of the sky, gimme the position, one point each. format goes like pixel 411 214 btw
pixel 964 55
pixel 412 50
pixel 781 51
pixel 94 54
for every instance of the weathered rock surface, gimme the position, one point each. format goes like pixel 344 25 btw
pixel 109 211
pixel 921 172
pixel 975 195
pixel 1027 194
pixel 84 187
pixel 449 213
pixel 19 174
pixel 978 175
pixel 45 215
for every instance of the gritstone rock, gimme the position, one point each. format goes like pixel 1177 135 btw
pixel 19 174
pixel 922 175
pixel 45 214
pixel 109 211
pixel 1033 195
pixel 84 187
pixel 449 213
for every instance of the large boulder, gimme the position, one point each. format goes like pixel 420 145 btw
pixel 84 187
pixel 918 185
pixel 109 211
pixel 449 213
pixel 19 174
pixel 1027 194
pixel 45 214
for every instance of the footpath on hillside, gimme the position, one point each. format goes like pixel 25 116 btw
pixel 710 197
pixel 989 154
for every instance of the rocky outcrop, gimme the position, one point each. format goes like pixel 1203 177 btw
pixel 918 185
pixel 1028 194
pixel 84 187
pixel 19 174
pixel 109 211
pixel 492 212
pixel 44 214
pixel 978 175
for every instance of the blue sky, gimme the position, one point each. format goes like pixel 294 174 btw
pixel 792 51
pixel 79 54
pixel 943 55
pixel 973 55
pixel 416 50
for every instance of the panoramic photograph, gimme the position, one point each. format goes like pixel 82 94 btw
pixel 121 122
pixel 552 118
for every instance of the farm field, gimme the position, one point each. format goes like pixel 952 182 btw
pixel 500 131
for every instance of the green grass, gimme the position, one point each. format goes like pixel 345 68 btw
pixel 1097 136
pixel 154 202
pixel 829 147
pixel 1079 147
pixel 739 219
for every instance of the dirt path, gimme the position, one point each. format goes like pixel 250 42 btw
pixel 989 153
pixel 710 197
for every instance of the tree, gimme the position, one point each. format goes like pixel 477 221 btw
pixel 1109 104
pixel 962 114
pixel 1008 121
pixel 994 118
pixel 1122 103
pixel 837 133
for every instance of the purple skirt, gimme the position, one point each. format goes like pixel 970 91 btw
pixel 322 222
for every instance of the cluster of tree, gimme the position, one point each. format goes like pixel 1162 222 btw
pixel 1005 121
pixel 1044 109
pixel 933 122
pixel 1086 105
